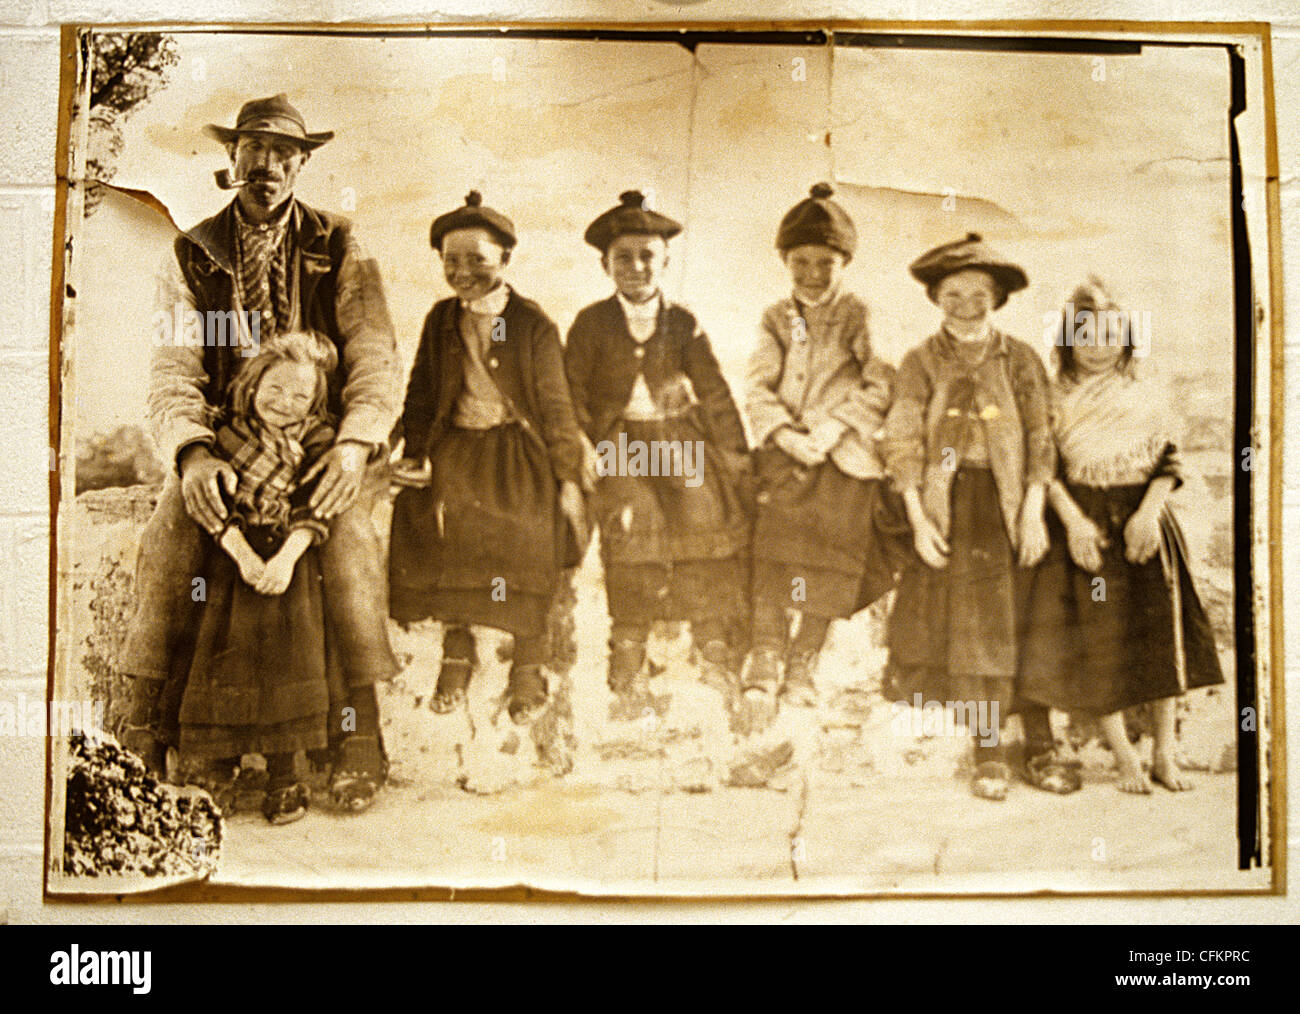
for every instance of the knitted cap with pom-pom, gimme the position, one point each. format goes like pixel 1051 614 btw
pixel 473 215
pixel 630 215
pixel 818 221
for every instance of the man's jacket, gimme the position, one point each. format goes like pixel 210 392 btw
pixel 338 294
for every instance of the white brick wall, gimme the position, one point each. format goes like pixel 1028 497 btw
pixel 28 93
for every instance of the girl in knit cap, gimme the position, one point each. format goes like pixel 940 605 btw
pixel 494 459
pixel 673 539
pixel 816 395
pixel 1146 637
pixel 969 445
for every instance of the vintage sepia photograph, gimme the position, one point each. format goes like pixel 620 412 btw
pixel 836 460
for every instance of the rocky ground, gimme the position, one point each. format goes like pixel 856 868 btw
pixel 853 796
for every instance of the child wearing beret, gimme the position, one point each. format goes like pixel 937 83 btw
pixel 1146 638
pixel 816 396
pixel 968 444
pixel 489 421
pixel 643 377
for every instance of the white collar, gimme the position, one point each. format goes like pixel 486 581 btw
pixel 825 298
pixel 492 303
pixel 986 329
pixel 649 310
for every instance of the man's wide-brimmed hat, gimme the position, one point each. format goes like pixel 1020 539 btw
pixel 935 265
pixel 270 116
pixel 630 215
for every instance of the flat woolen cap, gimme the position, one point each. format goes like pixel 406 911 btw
pixel 935 265
pixel 819 221
pixel 273 115
pixel 630 215
pixel 473 215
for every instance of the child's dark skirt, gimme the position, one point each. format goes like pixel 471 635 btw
pixel 673 547
pixel 1106 641
pixel 484 542
pixel 253 667
pixel 818 544
pixel 953 632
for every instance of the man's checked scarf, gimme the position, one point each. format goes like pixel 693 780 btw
pixel 261 271
pixel 268 461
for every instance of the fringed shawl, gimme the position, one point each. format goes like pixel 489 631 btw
pixel 1112 429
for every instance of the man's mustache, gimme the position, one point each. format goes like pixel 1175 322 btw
pixel 227 182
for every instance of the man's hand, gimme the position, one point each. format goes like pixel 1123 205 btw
pixel 344 466
pixel 202 477
pixel 276 575
pixel 575 509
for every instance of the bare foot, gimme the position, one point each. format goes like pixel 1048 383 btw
pixel 1165 771
pixel 1133 779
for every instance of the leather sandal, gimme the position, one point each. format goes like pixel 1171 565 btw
pixel 286 803
pixel 992 780
pixel 360 768
pixel 1053 773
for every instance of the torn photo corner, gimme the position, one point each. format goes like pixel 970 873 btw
pixel 697 464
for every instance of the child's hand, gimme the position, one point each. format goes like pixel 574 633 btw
pixel 590 463
pixel 412 472
pixel 1086 543
pixel 799 446
pixel 1142 536
pixel 574 508
pixel 825 435
pixel 1033 538
pixel 931 546
pixel 276 576
pixel 251 566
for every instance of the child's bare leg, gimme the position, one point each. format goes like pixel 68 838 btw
pixel 458 659
pixel 1131 776
pixel 1164 765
